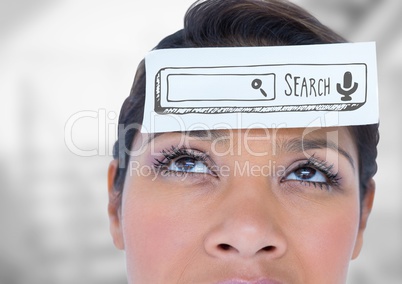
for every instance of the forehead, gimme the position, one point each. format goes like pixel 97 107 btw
pixel 326 133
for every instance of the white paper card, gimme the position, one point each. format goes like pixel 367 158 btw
pixel 261 87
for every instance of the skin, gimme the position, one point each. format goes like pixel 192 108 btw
pixel 262 225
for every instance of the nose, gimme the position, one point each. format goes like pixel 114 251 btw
pixel 247 225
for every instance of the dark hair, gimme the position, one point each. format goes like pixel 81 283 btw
pixel 232 23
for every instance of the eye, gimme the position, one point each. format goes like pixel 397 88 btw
pixel 184 161
pixel 187 164
pixel 307 174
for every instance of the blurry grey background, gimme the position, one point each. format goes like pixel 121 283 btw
pixel 61 57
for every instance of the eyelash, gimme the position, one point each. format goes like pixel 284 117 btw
pixel 322 166
pixel 174 153
pixel 313 162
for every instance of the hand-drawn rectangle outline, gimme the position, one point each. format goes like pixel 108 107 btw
pixel 347 106
pixel 234 100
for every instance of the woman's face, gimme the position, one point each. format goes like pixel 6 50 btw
pixel 240 206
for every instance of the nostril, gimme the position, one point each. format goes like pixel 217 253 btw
pixel 224 247
pixel 268 248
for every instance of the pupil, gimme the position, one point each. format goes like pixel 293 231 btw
pixel 185 164
pixel 305 173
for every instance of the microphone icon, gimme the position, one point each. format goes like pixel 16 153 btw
pixel 347 89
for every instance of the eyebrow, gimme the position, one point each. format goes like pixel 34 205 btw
pixel 303 144
pixel 294 145
pixel 200 134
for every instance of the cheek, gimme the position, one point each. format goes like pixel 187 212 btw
pixel 328 244
pixel 157 236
